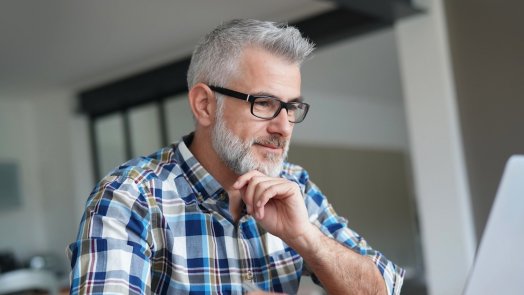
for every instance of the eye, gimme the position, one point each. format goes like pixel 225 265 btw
pixel 293 107
pixel 264 102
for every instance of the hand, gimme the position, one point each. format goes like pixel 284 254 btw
pixel 276 203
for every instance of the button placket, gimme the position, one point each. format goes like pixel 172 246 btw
pixel 247 273
pixel 249 276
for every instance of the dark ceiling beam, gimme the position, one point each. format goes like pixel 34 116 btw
pixel 337 25
pixel 387 10
pixel 137 89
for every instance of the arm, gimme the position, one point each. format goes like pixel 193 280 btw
pixel 111 253
pixel 339 269
pixel 344 264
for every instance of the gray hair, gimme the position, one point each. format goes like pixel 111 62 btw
pixel 215 58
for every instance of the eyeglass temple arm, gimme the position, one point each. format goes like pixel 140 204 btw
pixel 231 93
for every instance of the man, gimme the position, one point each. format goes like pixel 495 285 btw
pixel 220 212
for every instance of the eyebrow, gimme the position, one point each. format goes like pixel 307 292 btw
pixel 296 99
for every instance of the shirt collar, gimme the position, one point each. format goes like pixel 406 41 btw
pixel 203 183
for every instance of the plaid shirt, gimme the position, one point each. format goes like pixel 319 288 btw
pixel 160 224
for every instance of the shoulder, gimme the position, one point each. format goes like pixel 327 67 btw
pixel 312 194
pixel 148 184
pixel 160 166
pixel 295 173
pixel 144 178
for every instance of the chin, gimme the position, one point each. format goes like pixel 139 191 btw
pixel 271 169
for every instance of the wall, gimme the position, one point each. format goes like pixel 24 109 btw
pixel 487 47
pixel 355 93
pixel 22 229
pixel 371 189
pixel 437 157
pixel 53 116
pixel 36 132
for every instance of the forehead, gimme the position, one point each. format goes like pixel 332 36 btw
pixel 259 71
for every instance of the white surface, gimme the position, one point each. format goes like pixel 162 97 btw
pixel 355 93
pixel 53 148
pixel 22 229
pixel 338 120
pixel 499 263
pixel 36 133
pixel 441 185
pixel 28 280
pixel 364 69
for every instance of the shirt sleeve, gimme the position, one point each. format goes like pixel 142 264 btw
pixel 112 251
pixel 322 214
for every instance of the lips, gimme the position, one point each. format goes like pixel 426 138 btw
pixel 273 142
pixel 270 146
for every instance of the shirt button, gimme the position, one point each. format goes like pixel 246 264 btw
pixel 249 275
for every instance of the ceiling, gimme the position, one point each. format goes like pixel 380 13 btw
pixel 73 44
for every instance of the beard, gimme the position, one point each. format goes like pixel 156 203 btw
pixel 238 154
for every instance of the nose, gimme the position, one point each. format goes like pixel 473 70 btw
pixel 280 124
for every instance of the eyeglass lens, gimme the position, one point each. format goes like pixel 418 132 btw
pixel 267 108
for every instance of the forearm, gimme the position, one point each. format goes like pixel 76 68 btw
pixel 339 269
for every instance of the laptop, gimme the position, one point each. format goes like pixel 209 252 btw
pixel 499 263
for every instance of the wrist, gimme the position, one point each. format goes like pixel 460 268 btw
pixel 308 241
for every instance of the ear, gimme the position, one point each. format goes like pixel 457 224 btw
pixel 203 104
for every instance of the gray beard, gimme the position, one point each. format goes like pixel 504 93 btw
pixel 238 155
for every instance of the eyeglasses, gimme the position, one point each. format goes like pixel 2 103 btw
pixel 268 107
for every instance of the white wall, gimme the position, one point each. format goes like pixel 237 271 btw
pixel 53 116
pixel 22 229
pixel 355 93
pixel 339 120
pixel 36 131
pixel 436 150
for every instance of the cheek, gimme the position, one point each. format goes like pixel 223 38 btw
pixel 246 126
pixel 249 130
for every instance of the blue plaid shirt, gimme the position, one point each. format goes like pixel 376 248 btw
pixel 160 224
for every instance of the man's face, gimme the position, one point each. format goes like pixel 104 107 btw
pixel 243 141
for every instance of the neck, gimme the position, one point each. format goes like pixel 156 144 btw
pixel 203 151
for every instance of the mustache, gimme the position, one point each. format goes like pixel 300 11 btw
pixel 273 140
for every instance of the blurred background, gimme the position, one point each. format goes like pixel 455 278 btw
pixel 415 107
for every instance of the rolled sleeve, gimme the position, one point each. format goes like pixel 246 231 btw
pixel 112 253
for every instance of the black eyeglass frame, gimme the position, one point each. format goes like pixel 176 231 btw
pixel 251 99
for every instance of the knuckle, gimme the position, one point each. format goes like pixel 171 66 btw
pixel 268 192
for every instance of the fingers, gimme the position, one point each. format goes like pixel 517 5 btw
pixel 257 189
pixel 256 186
pixel 244 179
pixel 242 184
pixel 259 185
pixel 263 192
